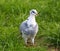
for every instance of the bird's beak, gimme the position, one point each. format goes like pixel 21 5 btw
pixel 36 14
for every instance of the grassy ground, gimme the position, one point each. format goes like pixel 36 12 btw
pixel 13 12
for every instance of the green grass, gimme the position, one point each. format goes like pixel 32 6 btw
pixel 13 12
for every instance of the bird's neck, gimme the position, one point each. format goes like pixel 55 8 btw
pixel 31 20
pixel 31 17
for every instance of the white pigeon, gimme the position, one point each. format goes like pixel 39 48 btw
pixel 29 27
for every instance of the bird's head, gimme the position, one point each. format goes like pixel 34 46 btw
pixel 33 12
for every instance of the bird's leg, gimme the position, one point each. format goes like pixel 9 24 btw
pixel 25 39
pixel 32 40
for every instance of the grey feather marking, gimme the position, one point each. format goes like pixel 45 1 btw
pixel 28 30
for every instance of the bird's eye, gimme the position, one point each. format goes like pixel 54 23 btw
pixel 33 12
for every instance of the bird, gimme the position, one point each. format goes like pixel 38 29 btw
pixel 29 27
